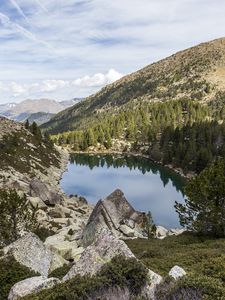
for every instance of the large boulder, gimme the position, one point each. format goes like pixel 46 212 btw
pixel 112 213
pixel 31 286
pixel 41 190
pixel 30 251
pixel 96 255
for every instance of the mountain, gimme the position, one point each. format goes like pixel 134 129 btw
pixel 197 73
pixel 21 111
pixel 40 117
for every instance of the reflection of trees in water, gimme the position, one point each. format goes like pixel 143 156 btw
pixel 132 162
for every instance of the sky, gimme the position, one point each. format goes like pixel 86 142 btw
pixel 64 49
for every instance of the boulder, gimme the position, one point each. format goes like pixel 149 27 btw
pixel 177 272
pixel 127 231
pixel 176 231
pixel 31 286
pixel 111 213
pixel 154 279
pixel 30 251
pixel 96 255
pixel 57 262
pixel 59 211
pixel 36 202
pixel 60 244
pixel 41 190
pixel 161 232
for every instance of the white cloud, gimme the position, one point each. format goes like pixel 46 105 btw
pixel 17 89
pixel 53 85
pixel 98 79
pixel 48 87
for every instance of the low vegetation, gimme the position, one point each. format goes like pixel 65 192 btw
pixel 11 273
pixel 119 273
pixel 202 257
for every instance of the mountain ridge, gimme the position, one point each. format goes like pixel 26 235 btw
pixel 21 111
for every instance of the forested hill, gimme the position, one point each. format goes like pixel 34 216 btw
pixel 197 73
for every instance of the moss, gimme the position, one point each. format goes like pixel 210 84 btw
pixel 120 272
pixel 11 273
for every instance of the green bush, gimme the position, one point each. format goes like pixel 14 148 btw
pixel 43 233
pixel 11 273
pixel 120 272
pixel 60 272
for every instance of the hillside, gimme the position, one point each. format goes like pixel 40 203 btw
pixel 197 73
pixel 40 117
pixel 25 153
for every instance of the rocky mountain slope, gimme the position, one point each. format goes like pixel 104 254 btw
pixel 197 73
pixel 21 111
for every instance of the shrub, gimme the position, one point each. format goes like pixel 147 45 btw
pixel 60 272
pixel 11 273
pixel 43 233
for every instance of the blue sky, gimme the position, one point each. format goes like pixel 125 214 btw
pixel 71 48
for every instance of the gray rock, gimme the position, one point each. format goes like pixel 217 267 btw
pixel 57 261
pixel 127 231
pixel 177 272
pixel 96 255
pixel 111 213
pixel 41 190
pixel 36 202
pixel 31 286
pixel 31 252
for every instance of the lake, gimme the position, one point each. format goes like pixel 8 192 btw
pixel 146 185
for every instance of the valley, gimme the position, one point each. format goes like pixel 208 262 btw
pixel 92 204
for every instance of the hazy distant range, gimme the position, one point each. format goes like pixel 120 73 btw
pixel 38 110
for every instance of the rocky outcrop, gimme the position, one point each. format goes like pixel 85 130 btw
pixel 31 286
pixel 96 255
pixel 31 252
pixel 41 190
pixel 162 232
pixel 102 251
pixel 116 214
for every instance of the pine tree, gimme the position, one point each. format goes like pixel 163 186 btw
pixel 14 216
pixel 204 208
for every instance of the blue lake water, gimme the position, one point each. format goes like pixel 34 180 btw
pixel 146 185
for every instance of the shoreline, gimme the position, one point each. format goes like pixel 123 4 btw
pixel 176 170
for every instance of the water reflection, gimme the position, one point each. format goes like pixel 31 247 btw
pixel 146 185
